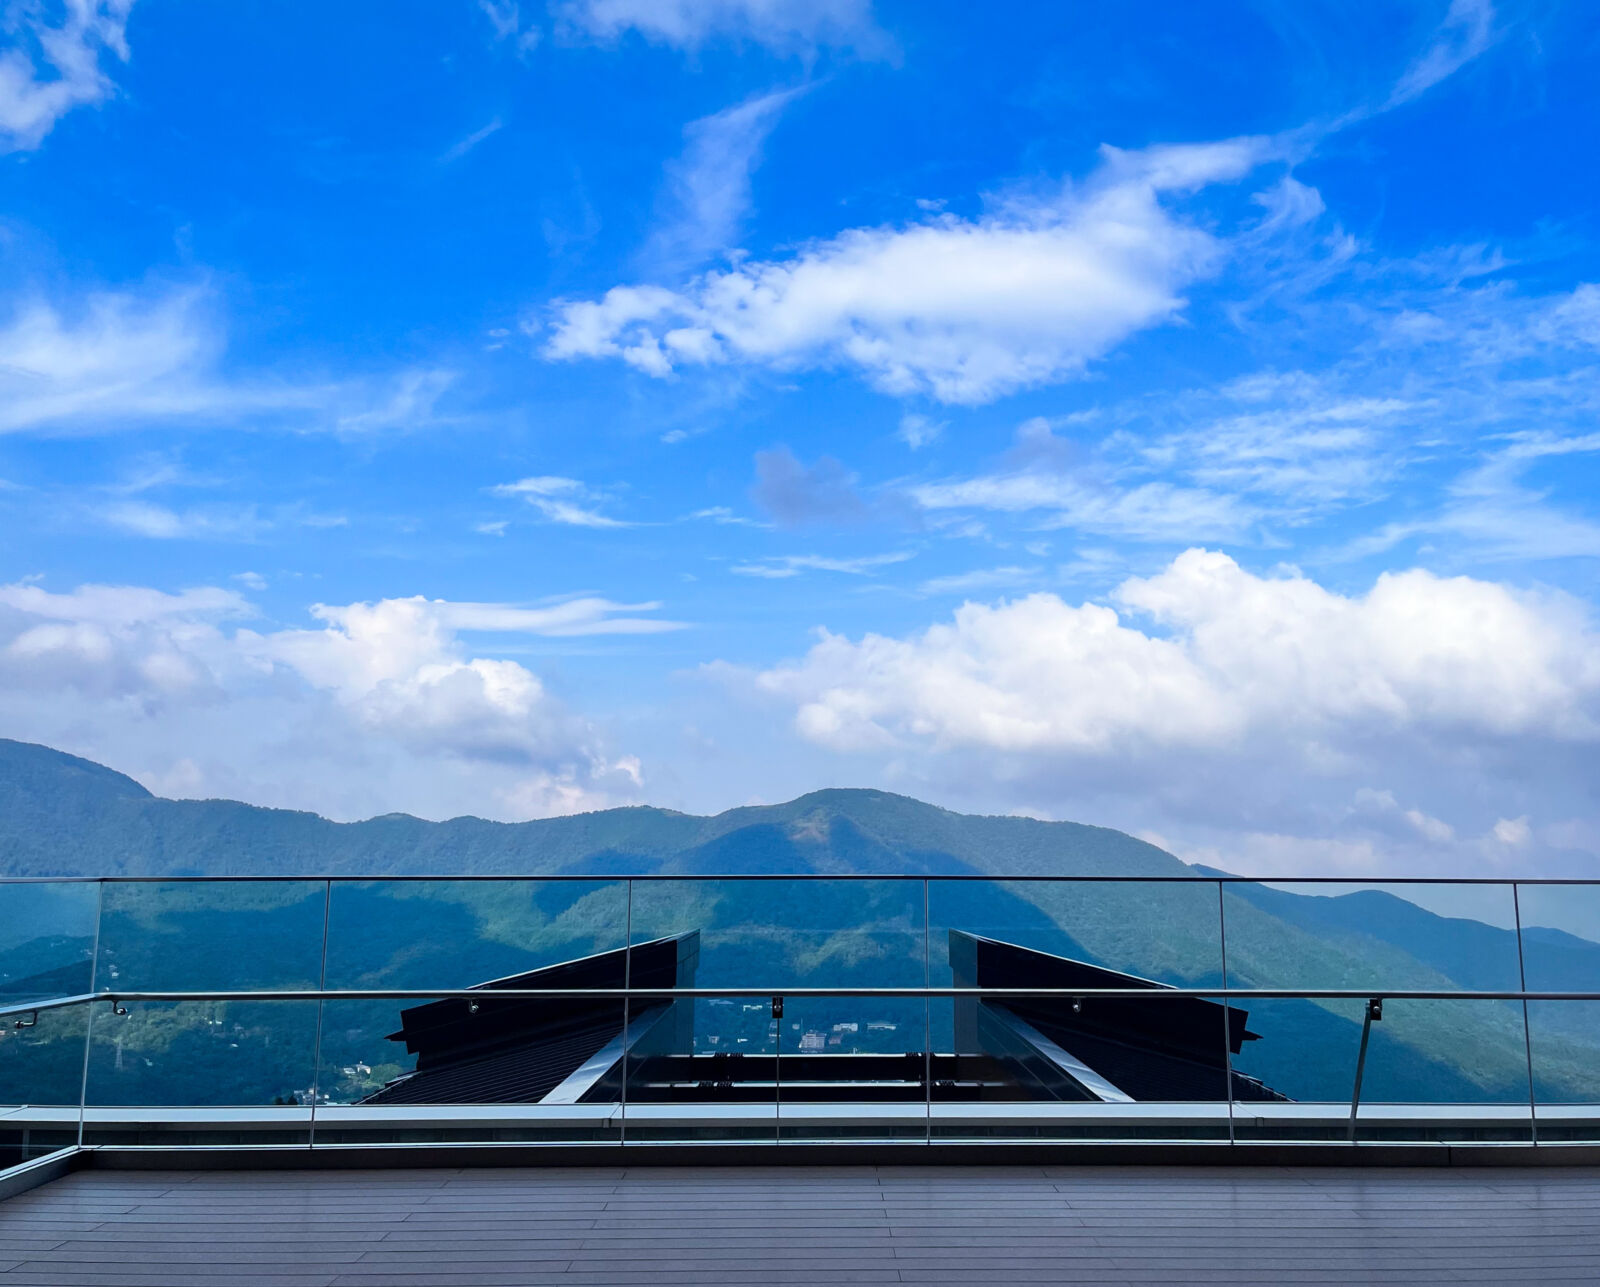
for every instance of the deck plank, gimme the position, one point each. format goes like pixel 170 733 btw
pixel 812 1225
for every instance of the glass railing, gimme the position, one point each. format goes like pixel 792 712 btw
pixel 292 1014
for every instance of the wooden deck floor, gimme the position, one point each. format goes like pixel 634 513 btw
pixel 803 1225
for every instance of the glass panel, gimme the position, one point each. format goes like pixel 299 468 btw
pixel 1046 1068
pixel 201 1072
pixel 1293 1082
pixel 1446 1071
pixel 476 1069
pixel 1297 1078
pixel 426 1071
pixel 41 1075
pixel 461 933
pixel 778 934
pixel 211 936
pixel 46 939
pixel 1561 953
pixel 703 1071
pixel 853 1068
pixel 46 952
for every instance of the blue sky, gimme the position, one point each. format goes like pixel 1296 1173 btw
pixel 1175 416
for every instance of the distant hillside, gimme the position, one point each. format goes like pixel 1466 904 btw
pixel 65 816
pixel 60 815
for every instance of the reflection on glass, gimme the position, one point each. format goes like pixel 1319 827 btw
pixel 853 1068
pixel 1442 1070
pixel 1420 937
pixel 46 939
pixel 1149 1066
pixel 195 1072
pixel 779 934
pixel 1375 938
pixel 1295 1082
pixel 41 1074
pixel 211 936
pixel 1561 953
pixel 471 1071
pixel 462 933
pixel 702 1070
pixel 776 933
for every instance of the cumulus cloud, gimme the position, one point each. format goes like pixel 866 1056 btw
pixel 54 63
pixel 1219 700
pixel 380 706
pixel 962 310
pixel 1246 655
pixel 783 25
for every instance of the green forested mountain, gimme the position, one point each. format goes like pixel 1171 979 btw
pixel 60 815
pixel 65 816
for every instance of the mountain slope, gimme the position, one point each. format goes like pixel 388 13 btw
pixel 64 816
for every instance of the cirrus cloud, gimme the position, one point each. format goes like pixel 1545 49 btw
pixel 783 25
pixel 54 66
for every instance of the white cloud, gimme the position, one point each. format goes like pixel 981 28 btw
pixel 121 357
pixel 1211 701
pixel 1156 511
pixel 709 185
pixel 1467 30
pixel 1049 475
pixel 464 145
pixel 379 707
pixel 963 310
pixel 1490 510
pixel 783 25
pixel 411 401
pixel 161 523
pixel 917 431
pixel 505 17
pixel 978 579
pixel 724 516
pixel 51 67
pixel 559 500
pixel 790 565
pixel 118 359
pixel 1514 833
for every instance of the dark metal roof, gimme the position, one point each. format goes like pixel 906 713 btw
pixel 513 1050
pixel 1168 1050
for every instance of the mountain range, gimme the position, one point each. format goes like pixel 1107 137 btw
pixel 65 816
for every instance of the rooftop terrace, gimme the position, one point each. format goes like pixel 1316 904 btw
pixel 804 1225
pixel 265 1081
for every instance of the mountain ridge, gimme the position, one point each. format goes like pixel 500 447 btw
pixel 63 815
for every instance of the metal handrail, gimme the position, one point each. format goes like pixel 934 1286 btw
pixel 666 877
pixel 761 993
pixel 24 1013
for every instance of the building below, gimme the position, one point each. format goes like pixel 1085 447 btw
pixel 575 1050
